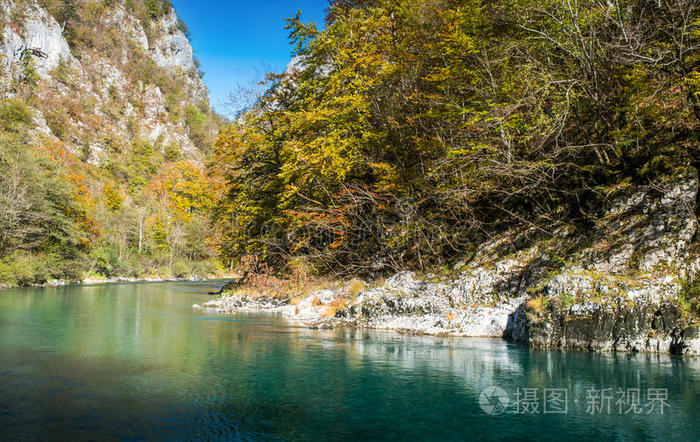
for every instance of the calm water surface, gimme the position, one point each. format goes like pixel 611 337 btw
pixel 134 362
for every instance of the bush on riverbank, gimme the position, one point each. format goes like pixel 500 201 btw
pixel 262 281
pixel 23 269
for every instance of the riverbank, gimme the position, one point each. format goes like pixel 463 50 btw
pixel 123 279
pixel 429 306
pixel 629 284
pixel 402 303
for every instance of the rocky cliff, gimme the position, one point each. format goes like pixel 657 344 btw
pixel 108 73
pixel 628 283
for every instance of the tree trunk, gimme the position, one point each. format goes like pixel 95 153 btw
pixel 140 234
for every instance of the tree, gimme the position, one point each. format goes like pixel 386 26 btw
pixel 409 131
pixel 30 76
pixel 113 197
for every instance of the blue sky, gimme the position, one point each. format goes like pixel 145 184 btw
pixel 239 41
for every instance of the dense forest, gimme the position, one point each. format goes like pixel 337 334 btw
pixel 403 135
pixel 91 193
pixel 407 132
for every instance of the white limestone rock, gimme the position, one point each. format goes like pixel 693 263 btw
pixel 39 36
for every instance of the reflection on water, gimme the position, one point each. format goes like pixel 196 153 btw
pixel 135 361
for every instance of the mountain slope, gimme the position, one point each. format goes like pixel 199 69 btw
pixel 104 101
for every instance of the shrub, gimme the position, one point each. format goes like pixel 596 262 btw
pixel 172 153
pixel 180 269
pixel 7 277
pixel 331 309
pixel 196 121
pixel 22 269
pixel 185 30
pixel 355 287
pixel 63 72
pixel 689 299
pixel 210 267
pixel 157 8
pixel 14 114
pixel 57 121
pixel 104 260
pixel 537 305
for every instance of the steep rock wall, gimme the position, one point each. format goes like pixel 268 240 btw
pixel 119 103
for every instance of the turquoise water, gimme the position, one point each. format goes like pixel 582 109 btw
pixel 134 362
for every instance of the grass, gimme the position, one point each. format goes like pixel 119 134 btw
pixel 355 286
pixel 567 300
pixel 537 305
pixel 689 301
pixel 332 309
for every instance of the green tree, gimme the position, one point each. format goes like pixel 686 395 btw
pixel 407 131
pixel 30 76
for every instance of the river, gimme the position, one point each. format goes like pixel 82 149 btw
pixel 134 361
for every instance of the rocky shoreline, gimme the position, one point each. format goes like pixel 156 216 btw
pixel 403 304
pixel 627 285
pixel 408 305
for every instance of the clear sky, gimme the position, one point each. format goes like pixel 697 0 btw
pixel 239 41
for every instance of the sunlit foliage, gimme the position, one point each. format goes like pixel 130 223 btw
pixel 411 130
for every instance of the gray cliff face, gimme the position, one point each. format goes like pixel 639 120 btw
pixel 122 107
pixel 616 287
pixel 647 327
pixel 622 292
pixel 40 36
pixel 172 49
